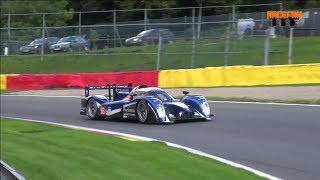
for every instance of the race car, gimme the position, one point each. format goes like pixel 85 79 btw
pixel 143 104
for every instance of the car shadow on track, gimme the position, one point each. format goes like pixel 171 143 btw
pixel 128 121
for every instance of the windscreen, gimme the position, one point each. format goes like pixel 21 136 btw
pixel 144 33
pixel 162 95
pixel 37 41
pixel 66 39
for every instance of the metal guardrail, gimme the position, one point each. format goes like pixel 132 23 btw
pixel 8 173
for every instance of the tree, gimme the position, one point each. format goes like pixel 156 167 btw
pixel 35 20
pixel 146 4
pixel 92 5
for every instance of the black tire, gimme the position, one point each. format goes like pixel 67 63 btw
pixel 145 43
pixel 92 109
pixel 144 113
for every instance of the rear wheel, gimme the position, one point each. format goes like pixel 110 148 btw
pixel 92 109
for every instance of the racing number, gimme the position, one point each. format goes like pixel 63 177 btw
pixel 103 110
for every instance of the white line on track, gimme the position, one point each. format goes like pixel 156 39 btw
pixel 11 170
pixel 234 164
pixel 232 102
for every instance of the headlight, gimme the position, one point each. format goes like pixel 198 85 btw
pixel 137 40
pixel 206 109
pixel 161 112
pixel 35 46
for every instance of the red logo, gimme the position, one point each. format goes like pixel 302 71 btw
pixel 103 111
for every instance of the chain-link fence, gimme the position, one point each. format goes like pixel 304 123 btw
pixel 234 35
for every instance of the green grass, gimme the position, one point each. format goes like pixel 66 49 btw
pixel 305 50
pixel 40 151
pixel 6 91
pixel 250 99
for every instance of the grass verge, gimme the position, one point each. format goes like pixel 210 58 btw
pixel 145 57
pixel 6 91
pixel 40 151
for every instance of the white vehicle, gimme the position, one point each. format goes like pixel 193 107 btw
pixel 245 27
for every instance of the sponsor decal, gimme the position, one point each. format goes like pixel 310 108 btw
pixel 109 111
pixel 103 110
pixel 180 104
pixel 200 98
pixel 129 110
pixel 281 17
pixel 123 91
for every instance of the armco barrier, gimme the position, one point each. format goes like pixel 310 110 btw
pixel 52 81
pixel 202 77
pixel 240 76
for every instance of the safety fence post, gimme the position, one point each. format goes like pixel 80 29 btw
pixel 199 21
pixel 43 34
pixel 9 34
pixel 193 39
pixel 267 47
pixel 227 47
pixel 80 14
pixel 159 53
pixel 290 46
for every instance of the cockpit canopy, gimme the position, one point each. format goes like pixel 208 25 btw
pixel 152 92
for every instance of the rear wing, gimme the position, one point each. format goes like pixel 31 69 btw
pixel 118 91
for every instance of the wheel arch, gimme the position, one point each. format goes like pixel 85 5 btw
pixel 155 104
pixel 154 117
pixel 195 101
pixel 98 98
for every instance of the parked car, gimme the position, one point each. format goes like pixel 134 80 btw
pixel 70 43
pixel 151 36
pixel 35 46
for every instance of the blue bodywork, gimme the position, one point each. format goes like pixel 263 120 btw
pixel 163 108
pixel 196 102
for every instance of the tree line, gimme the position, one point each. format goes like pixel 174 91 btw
pixel 68 7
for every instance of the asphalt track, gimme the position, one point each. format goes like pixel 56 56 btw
pixel 281 140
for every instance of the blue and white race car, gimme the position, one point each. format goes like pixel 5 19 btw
pixel 144 104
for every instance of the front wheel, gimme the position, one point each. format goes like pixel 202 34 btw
pixel 92 109
pixel 142 111
pixel 145 113
pixel 70 49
